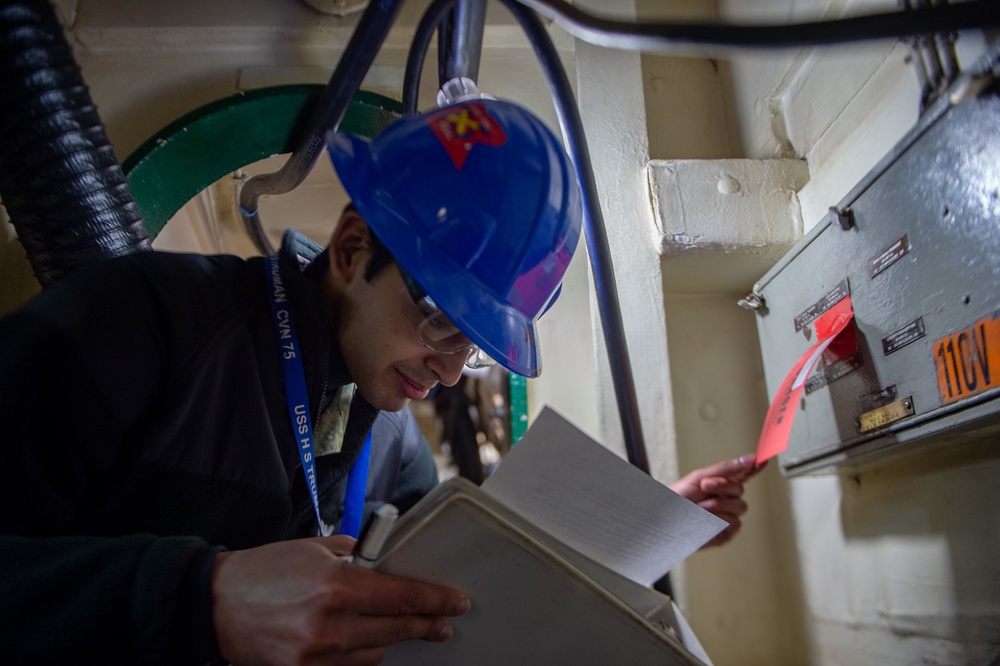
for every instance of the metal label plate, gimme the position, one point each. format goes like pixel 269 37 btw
pixel 890 255
pixel 883 397
pixel 904 336
pixel 832 373
pixel 885 415
pixel 829 299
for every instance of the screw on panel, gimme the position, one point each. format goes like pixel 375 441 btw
pixel 751 302
pixel 845 216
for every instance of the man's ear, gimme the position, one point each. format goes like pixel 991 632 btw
pixel 349 246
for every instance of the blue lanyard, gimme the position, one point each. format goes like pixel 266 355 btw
pixel 354 496
pixel 298 409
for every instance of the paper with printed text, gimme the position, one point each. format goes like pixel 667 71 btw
pixel 576 490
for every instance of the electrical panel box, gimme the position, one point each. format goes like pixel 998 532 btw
pixel 916 245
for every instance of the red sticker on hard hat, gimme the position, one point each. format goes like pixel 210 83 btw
pixel 459 128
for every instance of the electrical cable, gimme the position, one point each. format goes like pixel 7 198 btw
pixel 596 234
pixel 655 37
pixel 687 38
pixel 433 17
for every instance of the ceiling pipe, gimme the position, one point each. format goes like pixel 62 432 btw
pixel 461 42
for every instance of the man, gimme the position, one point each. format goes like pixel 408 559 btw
pixel 402 468
pixel 149 422
pixel 177 427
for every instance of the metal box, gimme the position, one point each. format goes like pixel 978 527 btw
pixel 916 244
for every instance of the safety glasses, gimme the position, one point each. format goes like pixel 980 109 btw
pixel 433 328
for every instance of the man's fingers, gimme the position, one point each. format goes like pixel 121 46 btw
pixel 731 468
pixel 721 486
pixel 359 657
pixel 722 538
pixel 380 594
pixel 725 507
pixel 290 601
pixel 368 635
pixel 382 630
pixel 338 544
pixel 725 535
pixel 754 471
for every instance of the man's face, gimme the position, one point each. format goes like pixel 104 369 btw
pixel 388 364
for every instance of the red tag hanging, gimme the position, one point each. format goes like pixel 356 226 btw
pixel 778 424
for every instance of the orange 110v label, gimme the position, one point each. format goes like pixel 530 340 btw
pixel 968 361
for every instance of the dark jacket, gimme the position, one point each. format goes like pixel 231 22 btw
pixel 144 426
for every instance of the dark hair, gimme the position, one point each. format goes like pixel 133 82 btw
pixel 380 256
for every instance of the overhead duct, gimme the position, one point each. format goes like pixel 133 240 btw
pixel 60 181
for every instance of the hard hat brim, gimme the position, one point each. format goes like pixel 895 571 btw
pixel 503 332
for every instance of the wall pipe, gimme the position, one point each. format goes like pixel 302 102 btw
pixel 60 181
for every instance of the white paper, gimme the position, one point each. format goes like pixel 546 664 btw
pixel 587 497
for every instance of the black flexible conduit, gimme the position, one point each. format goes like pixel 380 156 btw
pixel 59 178
pixel 433 17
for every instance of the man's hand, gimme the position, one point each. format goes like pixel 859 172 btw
pixel 301 602
pixel 718 489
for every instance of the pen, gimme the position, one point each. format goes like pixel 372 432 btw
pixel 369 545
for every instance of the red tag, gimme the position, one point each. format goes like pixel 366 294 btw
pixel 460 128
pixel 778 424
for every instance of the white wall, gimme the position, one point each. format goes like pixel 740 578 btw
pixel 895 569
pixel 884 566
pixel 899 562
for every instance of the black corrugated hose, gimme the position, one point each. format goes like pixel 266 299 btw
pixel 60 182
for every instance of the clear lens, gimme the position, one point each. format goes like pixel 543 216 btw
pixel 435 331
pixel 478 359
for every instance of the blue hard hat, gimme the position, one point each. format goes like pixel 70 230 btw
pixel 479 204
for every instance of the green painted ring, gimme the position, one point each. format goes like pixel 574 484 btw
pixel 199 148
